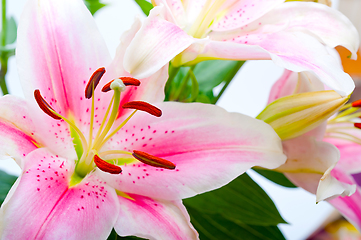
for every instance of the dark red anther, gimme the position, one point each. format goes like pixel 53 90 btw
pixel 44 105
pixel 143 106
pixel 128 81
pixel 356 103
pixel 358 125
pixel 106 167
pixel 153 160
pixel 93 82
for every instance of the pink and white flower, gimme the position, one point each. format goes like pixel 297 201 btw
pixel 295 35
pixel 325 161
pixel 87 169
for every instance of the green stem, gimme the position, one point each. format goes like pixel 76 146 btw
pixel 172 73
pixel 183 85
pixel 3 56
pixel 228 80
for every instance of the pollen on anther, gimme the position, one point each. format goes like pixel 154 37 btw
pixel 143 106
pixel 44 105
pixel 356 103
pixel 93 82
pixel 106 167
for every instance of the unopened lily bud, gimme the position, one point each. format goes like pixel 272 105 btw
pixel 294 115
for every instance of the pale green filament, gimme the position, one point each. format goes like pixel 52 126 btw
pixel 91 120
pixel 118 128
pixel 110 152
pixel 105 118
pixel 112 118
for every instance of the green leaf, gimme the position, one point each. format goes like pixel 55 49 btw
pixel 212 73
pixel 94 5
pixel 114 236
pixel 275 177
pixel 242 200
pixel 11 31
pixel 145 6
pixel 6 181
pixel 216 226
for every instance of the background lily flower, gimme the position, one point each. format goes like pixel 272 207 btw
pixel 295 35
pixel 332 149
pixel 70 148
pixel 310 159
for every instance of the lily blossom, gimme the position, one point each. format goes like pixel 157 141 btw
pixel 94 158
pixel 295 35
pixel 336 150
pixel 311 159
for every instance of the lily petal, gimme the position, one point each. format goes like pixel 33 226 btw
pixel 325 23
pixel 164 40
pixel 208 145
pixel 152 87
pixel 294 51
pixel 349 206
pixel 43 194
pixel 293 83
pixel 153 219
pixel 309 163
pixel 17 129
pixel 241 13
pixel 60 62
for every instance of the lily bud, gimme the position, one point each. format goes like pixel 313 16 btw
pixel 294 115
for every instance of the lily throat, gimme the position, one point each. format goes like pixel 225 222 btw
pixel 89 149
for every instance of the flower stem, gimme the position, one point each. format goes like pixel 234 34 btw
pixel 172 73
pixel 4 55
pixel 182 86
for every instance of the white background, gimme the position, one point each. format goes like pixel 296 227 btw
pixel 247 94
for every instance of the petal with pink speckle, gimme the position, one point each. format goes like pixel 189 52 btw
pixel 43 193
pixel 154 219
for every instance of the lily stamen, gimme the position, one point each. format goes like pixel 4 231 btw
pixel 128 81
pixel 153 160
pixel 44 105
pixel 143 106
pixel 93 82
pixel 51 112
pixel 89 93
pixel 105 166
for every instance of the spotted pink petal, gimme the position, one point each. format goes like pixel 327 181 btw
pixel 18 133
pixel 43 194
pixel 58 49
pixel 194 137
pixel 175 11
pixel 243 12
pixel 153 219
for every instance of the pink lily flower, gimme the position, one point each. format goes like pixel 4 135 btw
pixel 330 167
pixel 347 138
pixel 87 167
pixel 295 35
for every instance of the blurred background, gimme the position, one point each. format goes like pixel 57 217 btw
pixel 247 94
